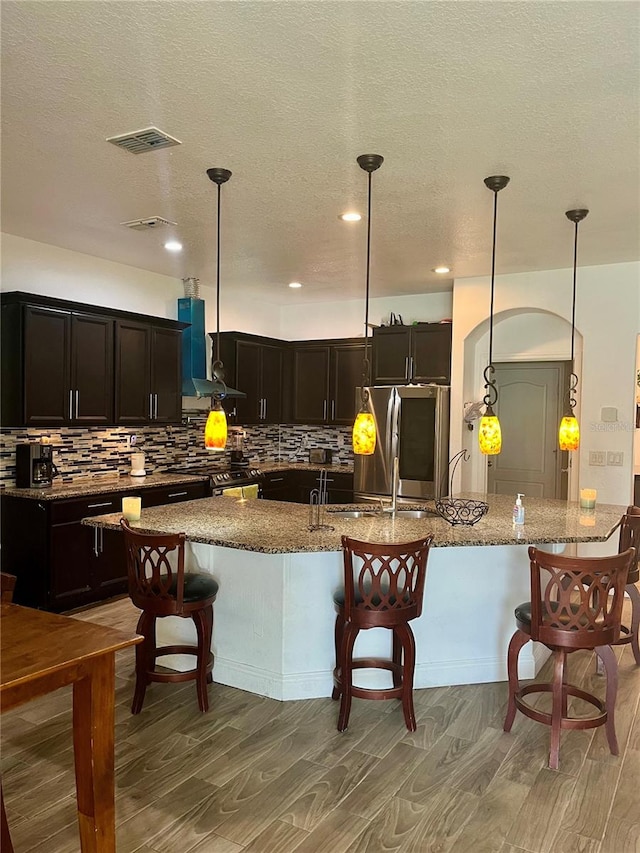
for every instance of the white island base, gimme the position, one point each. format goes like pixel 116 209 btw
pixel 274 619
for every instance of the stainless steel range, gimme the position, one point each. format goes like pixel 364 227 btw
pixel 224 478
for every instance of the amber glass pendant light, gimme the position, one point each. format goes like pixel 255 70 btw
pixel 569 431
pixel 364 427
pixel 215 431
pixel 489 432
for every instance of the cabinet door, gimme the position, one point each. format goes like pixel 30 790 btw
pixel 92 369
pixel 431 353
pixel 70 565
pixel 174 494
pixel 133 373
pixel 391 348
pixel 311 385
pixel 272 384
pixel 248 380
pixel 346 375
pixel 166 375
pixel 109 566
pixel 47 400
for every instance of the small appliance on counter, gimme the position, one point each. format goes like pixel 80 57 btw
pixel 137 465
pixel 320 456
pixel 34 466
pixel 236 443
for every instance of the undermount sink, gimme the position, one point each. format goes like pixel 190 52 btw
pixel 400 513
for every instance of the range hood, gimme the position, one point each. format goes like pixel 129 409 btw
pixel 194 346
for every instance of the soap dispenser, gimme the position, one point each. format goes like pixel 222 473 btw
pixel 518 510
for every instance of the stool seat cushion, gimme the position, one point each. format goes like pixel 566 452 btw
pixel 197 587
pixel 523 614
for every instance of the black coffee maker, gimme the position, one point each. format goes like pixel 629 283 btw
pixel 34 466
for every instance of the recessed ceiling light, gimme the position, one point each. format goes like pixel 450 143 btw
pixel 294 284
pixel 173 246
pixel 350 217
pixel 442 270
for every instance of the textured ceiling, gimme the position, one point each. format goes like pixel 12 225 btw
pixel 286 95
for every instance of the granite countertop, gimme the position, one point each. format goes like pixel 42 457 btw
pixel 272 527
pixel 267 467
pixel 101 485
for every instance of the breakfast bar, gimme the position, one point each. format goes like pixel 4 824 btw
pixel 274 616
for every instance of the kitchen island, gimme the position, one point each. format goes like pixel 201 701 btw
pixel 274 616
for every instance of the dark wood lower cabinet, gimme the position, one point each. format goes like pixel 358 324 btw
pixel 295 486
pixel 59 562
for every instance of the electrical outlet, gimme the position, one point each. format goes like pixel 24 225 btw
pixel 597 457
pixel 131 440
pixel 615 457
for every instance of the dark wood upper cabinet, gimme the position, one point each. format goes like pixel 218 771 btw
pixel 420 353
pixel 69 364
pixel 325 377
pixel 256 366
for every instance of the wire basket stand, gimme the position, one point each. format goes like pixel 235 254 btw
pixel 460 510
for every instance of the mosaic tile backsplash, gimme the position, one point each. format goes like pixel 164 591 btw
pixel 90 452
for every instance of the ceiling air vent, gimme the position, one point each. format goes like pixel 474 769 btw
pixel 147 139
pixel 147 224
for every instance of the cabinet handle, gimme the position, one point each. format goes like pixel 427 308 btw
pixel 260 409
pixel 264 414
pixel 177 494
pixel 95 506
pixel 324 410
pixel 95 540
pixel 150 407
pixel 275 480
pixel 333 410
pixel 410 367
pixel 77 403
pixel 406 367
pixel 70 405
pixel 155 412
pixel 101 539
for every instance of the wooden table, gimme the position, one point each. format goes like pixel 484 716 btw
pixel 40 652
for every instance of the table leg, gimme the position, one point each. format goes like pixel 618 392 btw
pixel 93 727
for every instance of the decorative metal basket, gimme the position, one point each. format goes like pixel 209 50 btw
pixel 460 510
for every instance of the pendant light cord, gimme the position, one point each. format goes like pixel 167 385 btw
pixel 217 358
pixel 573 307
pixel 366 376
pixel 493 274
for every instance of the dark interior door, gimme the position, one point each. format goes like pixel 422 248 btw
pixel 133 373
pixel 46 366
pixel 166 374
pixel 92 369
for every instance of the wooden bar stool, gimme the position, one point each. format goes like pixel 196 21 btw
pixel 159 586
pixel 578 607
pixel 383 588
pixel 630 538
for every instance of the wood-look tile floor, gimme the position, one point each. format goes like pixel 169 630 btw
pixel 263 776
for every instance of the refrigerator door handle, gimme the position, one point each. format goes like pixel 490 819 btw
pixel 395 426
pixel 406 367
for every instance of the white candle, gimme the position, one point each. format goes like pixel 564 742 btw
pixel 131 508
pixel 588 498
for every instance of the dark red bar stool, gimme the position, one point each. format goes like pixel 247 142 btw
pixel 578 606
pixel 630 538
pixel 383 588
pixel 159 586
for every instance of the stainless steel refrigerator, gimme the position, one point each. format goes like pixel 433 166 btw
pixel 413 424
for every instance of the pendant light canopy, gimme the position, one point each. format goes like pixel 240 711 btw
pixel 215 431
pixel 489 432
pixel 569 432
pixel 364 427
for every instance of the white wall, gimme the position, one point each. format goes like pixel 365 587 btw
pixel 607 320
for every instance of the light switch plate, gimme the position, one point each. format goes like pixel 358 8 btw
pixel 609 414
pixel 597 457
pixel 615 457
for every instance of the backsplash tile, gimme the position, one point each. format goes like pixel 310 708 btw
pixel 90 452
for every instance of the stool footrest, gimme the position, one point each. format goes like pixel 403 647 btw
pixel 565 722
pixel 372 692
pixel 176 675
